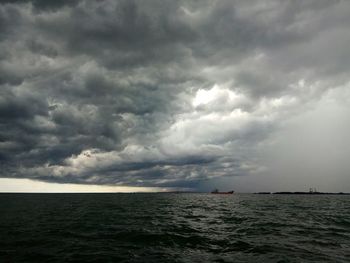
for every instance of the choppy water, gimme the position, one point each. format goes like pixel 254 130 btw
pixel 174 228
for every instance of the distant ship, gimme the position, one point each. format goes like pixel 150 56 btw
pixel 216 191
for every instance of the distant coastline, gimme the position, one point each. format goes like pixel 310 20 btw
pixel 303 193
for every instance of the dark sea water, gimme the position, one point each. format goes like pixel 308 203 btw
pixel 174 228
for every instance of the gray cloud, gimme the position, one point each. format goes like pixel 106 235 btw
pixel 156 93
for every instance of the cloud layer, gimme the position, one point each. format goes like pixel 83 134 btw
pixel 162 93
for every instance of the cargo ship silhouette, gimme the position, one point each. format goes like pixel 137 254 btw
pixel 216 191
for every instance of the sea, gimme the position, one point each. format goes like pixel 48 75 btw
pixel 174 227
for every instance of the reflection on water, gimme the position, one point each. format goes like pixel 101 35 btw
pixel 174 228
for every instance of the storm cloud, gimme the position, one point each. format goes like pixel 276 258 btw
pixel 172 93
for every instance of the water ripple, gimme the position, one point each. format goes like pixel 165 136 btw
pixel 173 228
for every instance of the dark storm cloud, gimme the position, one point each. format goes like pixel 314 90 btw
pixel 158 93
pixel 45 5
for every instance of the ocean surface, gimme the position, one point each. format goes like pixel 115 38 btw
pixel 174 228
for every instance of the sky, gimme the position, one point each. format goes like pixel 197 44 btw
pixel 185 95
